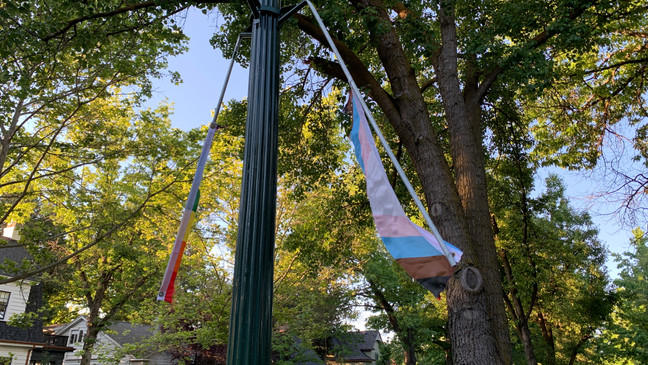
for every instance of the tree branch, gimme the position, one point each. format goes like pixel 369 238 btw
pixel 427 84
pixel 106 14
pixel 617 65
pixel 357 68
pixel 93 243
pixel 539 40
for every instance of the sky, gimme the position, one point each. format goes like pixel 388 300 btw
pixel 203 70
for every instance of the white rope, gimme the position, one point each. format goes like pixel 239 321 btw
pixel 376 129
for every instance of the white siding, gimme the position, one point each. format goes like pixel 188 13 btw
pixel 105 347
pixel 18 352
pixel 81 326
pixel 102 348
pixel 73 357
pixel 19 293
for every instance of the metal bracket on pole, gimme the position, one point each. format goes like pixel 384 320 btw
pixel 288 11
pixel 254 7
pixel 270 9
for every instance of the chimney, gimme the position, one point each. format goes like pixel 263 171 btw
pixel 10 231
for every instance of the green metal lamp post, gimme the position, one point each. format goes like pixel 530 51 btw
pixel 251 318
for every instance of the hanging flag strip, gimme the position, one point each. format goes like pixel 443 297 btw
pixel 415 249
pixel 168 282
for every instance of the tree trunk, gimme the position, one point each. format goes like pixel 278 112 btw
pixel 88 345
pixel 548 337
pixel 463 118
pixel 578 347
pixel 470 334
pixel 405 335
pixel 459 206
pixel 91 337
pixel 410 355
pixel 525 337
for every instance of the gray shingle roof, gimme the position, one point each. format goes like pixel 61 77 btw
pixel 10 252
pixel 124 332
pixel 354 346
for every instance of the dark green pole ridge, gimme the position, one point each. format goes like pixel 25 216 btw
pixel 251 318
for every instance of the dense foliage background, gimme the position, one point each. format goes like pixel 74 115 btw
pixel 97 181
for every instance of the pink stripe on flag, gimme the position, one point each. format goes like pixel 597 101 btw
pixel 391 226
pixel 365 145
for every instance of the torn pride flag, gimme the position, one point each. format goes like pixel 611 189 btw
pixel 168 282
pixel 415 249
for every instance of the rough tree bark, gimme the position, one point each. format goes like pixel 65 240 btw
pixel 463 116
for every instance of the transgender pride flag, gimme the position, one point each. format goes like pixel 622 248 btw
pixel 415 249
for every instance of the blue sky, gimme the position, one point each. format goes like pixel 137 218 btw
pixel 203 71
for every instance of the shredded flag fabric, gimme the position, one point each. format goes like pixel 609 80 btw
pixel 415 249
pixel 167 287
pixel 168 282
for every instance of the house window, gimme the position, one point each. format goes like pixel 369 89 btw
pixel 73 337
pixel 80 338
pixel 4 302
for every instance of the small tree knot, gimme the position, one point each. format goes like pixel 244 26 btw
pixel 471 279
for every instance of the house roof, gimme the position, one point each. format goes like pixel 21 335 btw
pixel 355 346
pixel 120 332
pixel 125 332
pixel 13 253
pixel 59 330
pixel 303 355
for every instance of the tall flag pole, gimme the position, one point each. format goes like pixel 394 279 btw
pixel 168 282
pixel 416 250
pixel 250 329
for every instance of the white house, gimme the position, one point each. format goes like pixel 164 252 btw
pixel 23 346
pixel 108 342
pixel 14 349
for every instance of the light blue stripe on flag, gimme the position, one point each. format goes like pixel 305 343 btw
pixel 355 136
pixel 409 246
